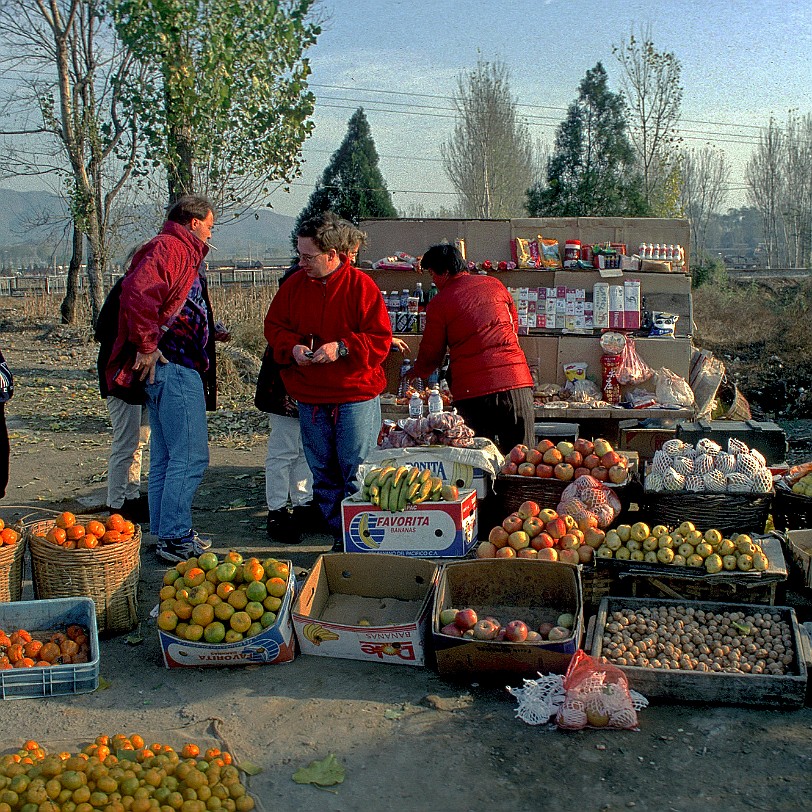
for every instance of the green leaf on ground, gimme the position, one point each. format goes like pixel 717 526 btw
pixel 323 773
pixel 249 768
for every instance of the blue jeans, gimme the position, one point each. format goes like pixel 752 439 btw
pixel 178 450
pixel 336 439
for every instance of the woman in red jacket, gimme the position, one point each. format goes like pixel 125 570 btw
pixel 475 318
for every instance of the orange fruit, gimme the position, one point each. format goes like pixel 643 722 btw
pixel 95 528
pixel 276 587
pixel 129 528
pixel 111 537
pixel 115 521
pixel 56 535
pixel 69 545
pixel 75 532
pixel 190 751
pixel 24 662
pixel 9 536
pixel 49 652
pixel 87 542
pixel 32 649
pixel 21 636
pixel 65 520
pixel 2 524
pixel 203 614
pixel 194 576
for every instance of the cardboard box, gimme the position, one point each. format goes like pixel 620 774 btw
pixel 645 441
pixel 273 645
pixel 800 545
pixel 390 593
pixel 428 530
pixel 516 589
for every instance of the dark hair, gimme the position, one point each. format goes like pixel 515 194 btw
pixel 329 231
pixel 189 207
pixel 443 259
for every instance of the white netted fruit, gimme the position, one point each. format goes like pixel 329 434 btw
pixel 715 481
pixel 724 462
pixel 661 462
pixel 747 464
pixel 762 481
pixel 736 446
pixel 739 483
pixel 673 447
pixel 703 463
pixel 708 446
pixel 694 483
pixel 754 452
pixel 654 482
pixel 673 480
pixel 683 465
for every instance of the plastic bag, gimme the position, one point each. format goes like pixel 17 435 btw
pixel 633 369
pixel 671 390
pixel 597 696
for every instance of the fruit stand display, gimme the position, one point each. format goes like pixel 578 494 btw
pixel 12 555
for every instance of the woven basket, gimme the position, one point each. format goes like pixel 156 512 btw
pixel 12 558
pixel 596 584
pixel 727 512
pixel 107 574
pixel 791 511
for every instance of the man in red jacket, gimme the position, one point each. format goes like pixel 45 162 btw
pixel 330 332
pixel 475 318
pixel 165 322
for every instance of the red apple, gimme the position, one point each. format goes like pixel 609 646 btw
pixel 618 474
pixel 533 526
pixel 583 446
pixel 565 447
pixel 593 537
pixel 518 453
pixel 544 471
pixel 569 556
pixel 485 549
pixel 581 472
pixel 506 552
pixel 563 471
pixel 587 522
pixel 466 619
pixel 547 515
pixel 519 540
pixel 526 469
pixel 548 554
pixel 552 456
pixel 512 523
pixel 556 528
pixel 452 630
pixel 533 637
pixel 528 509
pixel 600 473
pixel 485 629
pixel 574 458
pixel 516 631
pixel 544 629
pixel 545 445
pixel 541 541
pixel 527 552
pixel 591 461
pixel 610 458
pixel 585 554
pixel 568 542
pixel 498 536
pixel 509 469
pixel 534 456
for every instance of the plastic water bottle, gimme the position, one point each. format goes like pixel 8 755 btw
pixel 435 402
pixel 405 369
pixel 415 406
pixel 419 295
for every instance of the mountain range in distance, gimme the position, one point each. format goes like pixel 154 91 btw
pixel 35 225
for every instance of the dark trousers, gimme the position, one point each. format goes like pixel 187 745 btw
pixel 5 451
pixel 508 418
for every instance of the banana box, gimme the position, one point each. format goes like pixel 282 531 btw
pixel 276 644
pixel 427 530
pixel 361 607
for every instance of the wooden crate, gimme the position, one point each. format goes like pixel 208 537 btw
pixel 718 688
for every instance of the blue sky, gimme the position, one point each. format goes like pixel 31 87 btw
pixel 741 63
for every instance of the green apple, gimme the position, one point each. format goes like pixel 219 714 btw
pixel 665 555
pixel 624 531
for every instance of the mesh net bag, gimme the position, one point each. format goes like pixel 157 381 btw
pixel 739 483
pixel 694 483
pixel 703 463
pixel 715 481
pixel 760 458
pixel 708 446
pixel 661 462
pixel 673 447
pixel 684 465
pixel 748 465
pixel 654 482
pixel 673 480
pixel 762 481
pixel 592 495
pixel 736 446
pixel 724 462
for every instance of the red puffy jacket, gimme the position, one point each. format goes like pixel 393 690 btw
pixel 475 317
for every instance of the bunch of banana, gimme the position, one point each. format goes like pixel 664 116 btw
pixel 393 488
pixel 317 634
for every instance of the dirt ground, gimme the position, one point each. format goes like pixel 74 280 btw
pixel 406 738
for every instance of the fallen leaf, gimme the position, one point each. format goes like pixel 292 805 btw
pixel 249 768
pixel 103 684
pixel 393 713
pixel 324 773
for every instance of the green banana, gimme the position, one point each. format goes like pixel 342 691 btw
pixel 386 475
pixel 374 494
pixel 372 476
pixel 413 490
pixel 386 489
pixel 399 475
pixel 394 494
pixel 365 493
pixel 403 500
pixel 422 493
pixel 412 476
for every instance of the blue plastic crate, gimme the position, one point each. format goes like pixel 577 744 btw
pixel 56 680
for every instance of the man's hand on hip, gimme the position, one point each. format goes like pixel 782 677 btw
pixel 147 364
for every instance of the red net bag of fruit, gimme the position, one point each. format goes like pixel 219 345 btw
pixel 597 696
pixel 594 496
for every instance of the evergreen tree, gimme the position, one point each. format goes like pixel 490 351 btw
pixel 592 169
pixel 352 185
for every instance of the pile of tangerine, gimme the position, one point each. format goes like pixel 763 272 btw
pixel 69 534
pixel 21 650
pixel 8 535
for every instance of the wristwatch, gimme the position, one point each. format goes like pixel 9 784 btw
pixel 342 350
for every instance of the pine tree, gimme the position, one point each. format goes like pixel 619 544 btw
pixel 352 185
pixel 592 169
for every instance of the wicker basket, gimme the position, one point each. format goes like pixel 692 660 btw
pixel 791 511
pixel 107 574
pixel 511 491
pixel 727 512
pixel 12 558
pixel 596 584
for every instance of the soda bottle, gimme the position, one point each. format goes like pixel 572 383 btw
pixel 431 293
pixel 415 406
pixel 419 295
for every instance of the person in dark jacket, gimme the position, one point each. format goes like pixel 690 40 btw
pixel 474 318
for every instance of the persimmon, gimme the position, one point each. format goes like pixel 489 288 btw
pixel 4 640
pixel 129 528
pixel 49 652
pixel 24 662
pixel 65 520
pixel 9 536
pixel 95 528
pixel 87 542
pixel 21 636
pixel 68 648
pixel 69 545
pixel 56 535
pixel 115 521
pixel 111 537
pixel 75 532
pixel 32 648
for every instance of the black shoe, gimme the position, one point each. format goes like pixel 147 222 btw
pixel 136 510
pixel 280 527
pixel 338 546
pixel 308 519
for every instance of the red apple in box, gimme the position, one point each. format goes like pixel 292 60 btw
pixel 544 471
pixel 568 542
pixel 592 461
pixel 583 446
pixel 534 456
pixel 541 541
pixel 509 468
pixel 602 446
pixel 485 629
pixel 548 554
pixel 545 445
pixel 545 629
pixel 618 474
pixel 600 473
pixel 587 522
pixel 465 619
pixel 518 453
pixel 526 469
pixel 512 523
pixel 574 458
pixel 498 536
pixel 506 552
pixel 569 556
pixel 516 631
pixel 527 552
pixel 547 515
pixel 552 456
pixel 593 537
pixel 533 526
pixel 585 554
pixel 581 472
pixel 556 528
pixel 452 630
pixel 486 549
pixel 519 540
pixel 564 471
pixel 610 458
pixel 528 509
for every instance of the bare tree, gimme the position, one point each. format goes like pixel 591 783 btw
pixel 705 176
pixel 489 158
pixel 66 71
pixel 796 210
pixel 651 86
